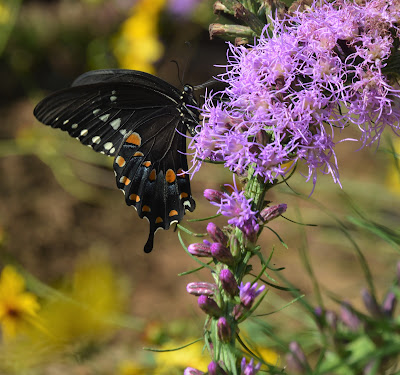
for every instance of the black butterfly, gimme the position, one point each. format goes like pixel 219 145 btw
pixel 141 120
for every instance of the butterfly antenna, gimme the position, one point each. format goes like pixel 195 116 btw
pixel 206 84
pixel 179 74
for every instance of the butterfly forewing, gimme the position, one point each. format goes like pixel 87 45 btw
pixel 141 120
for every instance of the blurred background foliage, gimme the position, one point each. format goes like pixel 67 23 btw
pixel 63 222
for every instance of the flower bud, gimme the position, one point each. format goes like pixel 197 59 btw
pixel 200 249
pixel 201 288
pixel 228 282
pixel 371 304
pixel 348 317
pixel 213 195
pixel 221 253
pixel 331 319
pixel 398 274
pixel 270 213
pixel 192 371
pixel 238 311
pixel 224 330
pixel 215 369
pixel 209 306
pixel 389 304
pixel 296 360
pixel 217 234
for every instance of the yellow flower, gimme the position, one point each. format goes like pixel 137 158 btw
pixel 137 45
pixel 16 305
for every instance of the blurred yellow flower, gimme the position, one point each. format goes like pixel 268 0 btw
pixel 5 13
pixel 137 45
pixel 74 319
pixel 87 309
pixel 269 356
pixel 16 305
pixel 132 368
pixel 190 356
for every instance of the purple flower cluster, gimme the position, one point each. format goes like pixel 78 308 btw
pixel 316 72
pixel 237 207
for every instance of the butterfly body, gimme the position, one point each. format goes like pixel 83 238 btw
pixel 141 120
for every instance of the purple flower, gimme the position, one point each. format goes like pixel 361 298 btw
pixel 201 288
pixel 228 282
pixel 249 368
pixel 209 306
pixel 285 95
pixel 238 208
pixel 248 293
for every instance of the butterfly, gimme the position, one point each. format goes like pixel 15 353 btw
pixel 141 121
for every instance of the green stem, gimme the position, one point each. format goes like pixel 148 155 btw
pixel 228 352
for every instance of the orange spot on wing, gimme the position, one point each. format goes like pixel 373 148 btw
pixel 159 220
pixel 170 176
pixel 135 139
pixel 134 197
pixel 120 161
pixel 173 213
pixel 181 173
pixel 125 180
pixel 146 208
pixel 184 195
pixel 138 153
pixel 147 163
pixel 152 175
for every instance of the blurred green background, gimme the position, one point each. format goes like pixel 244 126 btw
pixel 60 205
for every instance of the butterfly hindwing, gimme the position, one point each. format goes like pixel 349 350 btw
pixel 141 120
pixel 150 170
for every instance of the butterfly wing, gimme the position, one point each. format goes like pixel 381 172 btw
pixel 140 119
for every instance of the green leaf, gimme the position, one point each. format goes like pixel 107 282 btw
pixel 361 349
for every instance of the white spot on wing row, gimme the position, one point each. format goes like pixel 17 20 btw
pixel 96 111
pixel 104 117
pixel 96 139
pixel 108 145
pixel 115 124
pixel 84 132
